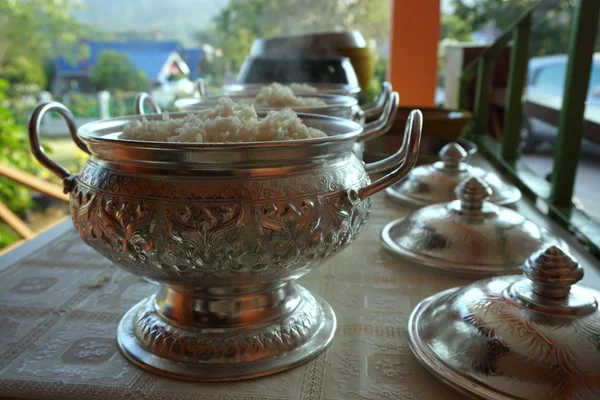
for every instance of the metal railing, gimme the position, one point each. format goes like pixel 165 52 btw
pixel 557 195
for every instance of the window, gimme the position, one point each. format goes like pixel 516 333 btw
pixel 551 78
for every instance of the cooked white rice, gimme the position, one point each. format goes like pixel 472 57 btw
pixel 277 95
pixel 226 122
pixel 303 87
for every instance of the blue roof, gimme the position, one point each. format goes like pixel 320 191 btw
pixel 64 66
pixel 193 57
pixel 135 45
pixel 148 56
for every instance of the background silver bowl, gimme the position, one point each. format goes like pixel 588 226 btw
pixel 329 88
pixel 385 107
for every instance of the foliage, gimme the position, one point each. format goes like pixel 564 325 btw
pixel 14 151
pixel 83 105
pixel 7 236
pixel 372 90
pixel 114 72
pixel 31 31
pixel 456 28
pixel 550 30
pixel 122 104
pixel 550 33
pixel 241 22
pixel 379 76
pixel 380 72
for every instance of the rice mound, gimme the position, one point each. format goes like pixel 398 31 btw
pixel 277 95
pixel 303 87
pixel 226 122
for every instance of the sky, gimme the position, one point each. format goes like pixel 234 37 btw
pixel 446 5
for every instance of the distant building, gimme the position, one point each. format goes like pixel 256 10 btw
pixel 193 57
pixel 159 60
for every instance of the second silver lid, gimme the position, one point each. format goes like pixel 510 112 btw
pixel 467 237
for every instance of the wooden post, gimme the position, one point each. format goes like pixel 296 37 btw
pixel 412 65
pixel 570 128
pixel 33 182
pixel 514 107
pixel 104 104
pixel 15 222
pixel 482 95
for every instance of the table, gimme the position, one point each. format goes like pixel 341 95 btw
pixel 60 303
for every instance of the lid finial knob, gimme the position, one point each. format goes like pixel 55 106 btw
pixel 472 192
pixel 552 272
pixel 452 155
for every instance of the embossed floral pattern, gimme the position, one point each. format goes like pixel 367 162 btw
pixel 213 230
pixel 153 332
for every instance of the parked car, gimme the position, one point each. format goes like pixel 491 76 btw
pixel 545 86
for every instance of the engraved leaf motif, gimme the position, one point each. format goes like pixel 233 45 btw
pixel 590 326
pixel 469 237
pixel 495 314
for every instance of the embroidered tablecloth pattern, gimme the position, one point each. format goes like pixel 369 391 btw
pixel 60 306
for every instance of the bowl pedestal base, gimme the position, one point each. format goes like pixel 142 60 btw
pixel 222 335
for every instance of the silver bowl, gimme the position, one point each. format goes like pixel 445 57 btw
pixel 327 88
pixel 337 105
pixel 371 110
pixel 386 106
pixel 224 229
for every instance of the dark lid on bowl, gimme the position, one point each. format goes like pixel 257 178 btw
pixel 307 44
pixel 286 69
pixel 515 337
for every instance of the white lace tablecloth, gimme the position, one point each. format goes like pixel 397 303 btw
pixel 60 303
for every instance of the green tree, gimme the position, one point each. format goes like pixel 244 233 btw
pixel 551 22
pixel 114 72
pixel 456 29
pixel 30 32
pixel 14 151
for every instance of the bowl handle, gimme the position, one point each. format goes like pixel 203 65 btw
pixel 385 121
pixel 375 108
pixel 35 120
pixel 404 160
pixel 140 99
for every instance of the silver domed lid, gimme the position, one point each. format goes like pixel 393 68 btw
pixel 435 183
pixel 515 337
pixel 469 237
